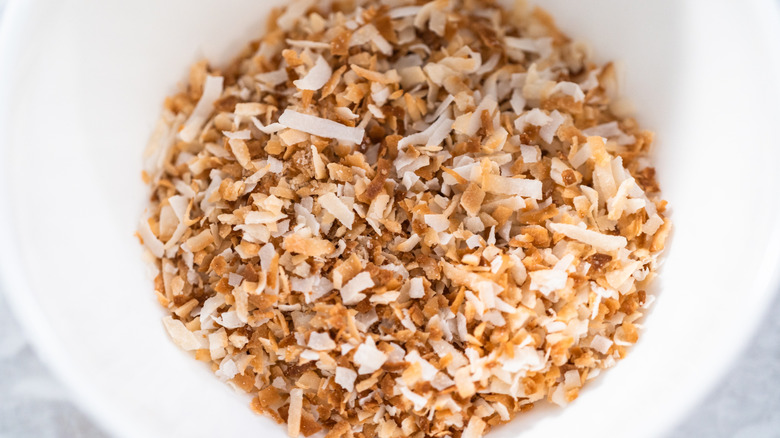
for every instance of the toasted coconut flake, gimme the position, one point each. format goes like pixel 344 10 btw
pixel 601 344
pixel 334 205
pixel 152 243
pixel 270 129
pixel 244 134
pixel 599 241
pixel 292 137
pixel 385 298
pixel 617 277
pixel 294 413
pixel 518 101
pixel 217 343
pixel 308 246
pixel 547 281
pixel 581 156
pixel 317 77
pixel 320 170
pixel 408 244
pixel 212 89
pixel 390 77
pixel 524 44
pixel 183 337
pixel 529 188
pixel 293 13
pixel 321 342
pixel 345 377
pixel 618 203
pixel 438 222
pixel 475 428
pixel 427 370
pixel 652 225
pixel 488 104
pixel 230 320
pixel 431 136
pixel 200 241
pixel 321 127
pixel 368 357
pixel 308 44
pixel 416 399
pixel 535 117
pixel 524 358
pixel 472 199
pixel 416 288
pixel 241 152
pixel 248 109
pixel 412 76
pixel 227 369
pixel 273 78
pixel 369 33
pixel 530 154
pixel 464 383
pixel 350 293
pixel 570 89
pixel 549 129
pixel 610 130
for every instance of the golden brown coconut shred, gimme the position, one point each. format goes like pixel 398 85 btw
pixel 398 218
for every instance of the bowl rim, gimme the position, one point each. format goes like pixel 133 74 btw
pixel 15 19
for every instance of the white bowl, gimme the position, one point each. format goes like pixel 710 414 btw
pixel 82 83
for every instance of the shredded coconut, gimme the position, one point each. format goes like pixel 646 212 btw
pixel 426 217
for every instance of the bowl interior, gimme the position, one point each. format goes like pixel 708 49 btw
pixel 83 87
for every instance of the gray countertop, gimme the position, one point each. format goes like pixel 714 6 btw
pixel 746 404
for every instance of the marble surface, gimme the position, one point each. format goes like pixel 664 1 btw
pixel 746 404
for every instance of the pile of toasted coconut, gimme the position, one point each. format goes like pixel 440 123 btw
pixel 403 219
